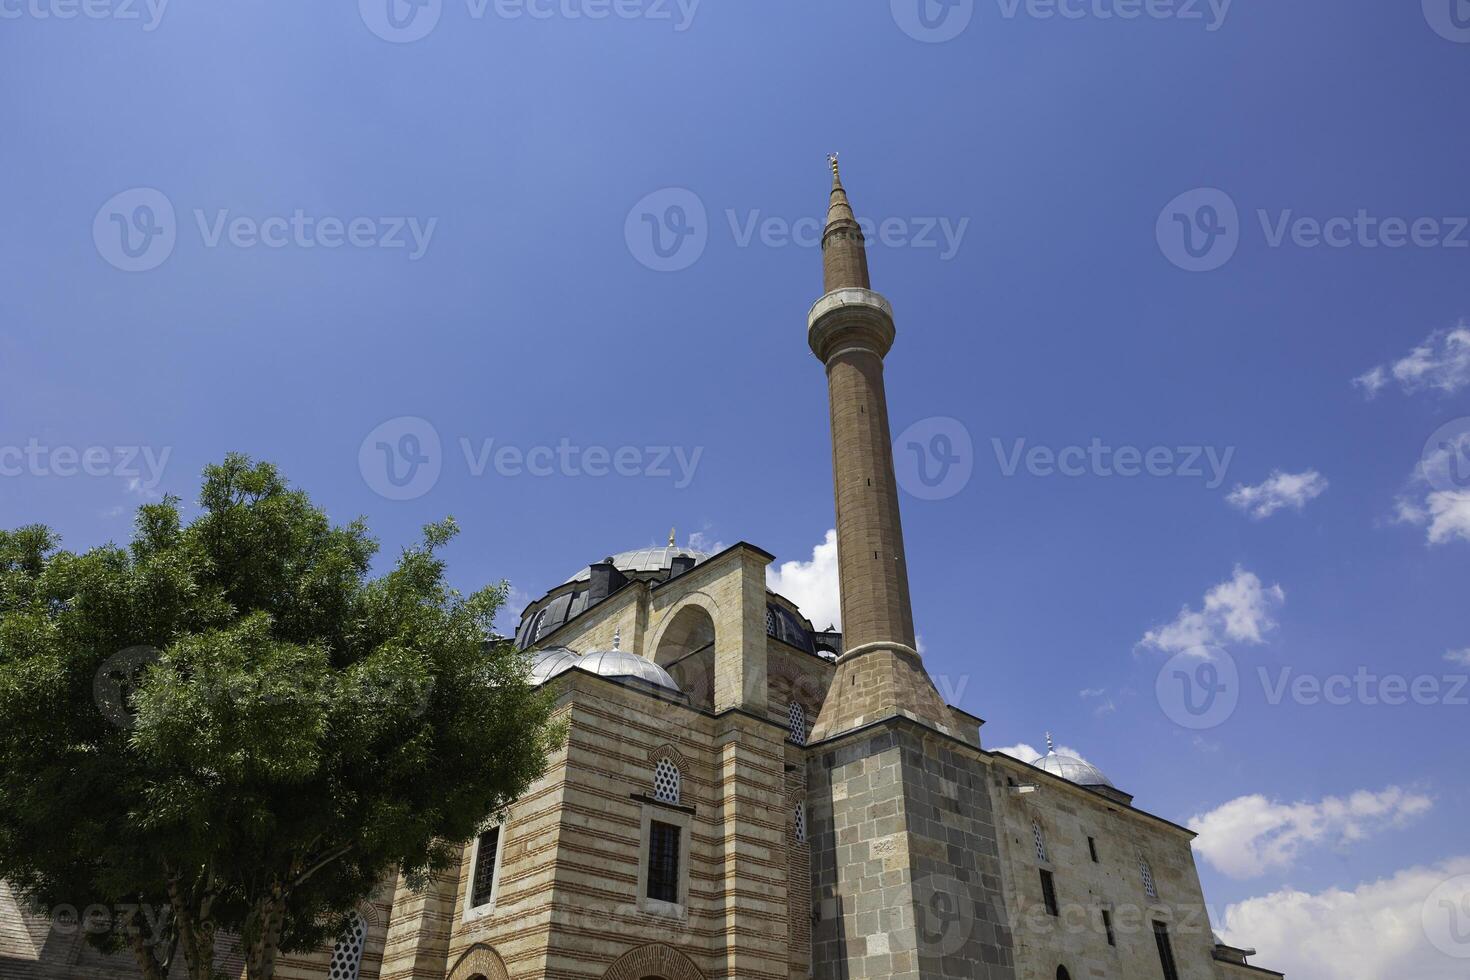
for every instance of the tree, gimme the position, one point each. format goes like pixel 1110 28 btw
pixel 230 726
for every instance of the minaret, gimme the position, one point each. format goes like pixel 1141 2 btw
pixel 850 329
pixel 905 862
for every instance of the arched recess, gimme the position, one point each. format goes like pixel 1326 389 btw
pixel 479 961
pixel 653 960
pixel 685 647
pixel 1062 973
pixel 688 628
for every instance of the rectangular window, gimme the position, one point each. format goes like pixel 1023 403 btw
pixel 1166 951
pixel 1108 927
pixel 1092 849
pixel 484 886
pixel 663 862
pixel 1049 893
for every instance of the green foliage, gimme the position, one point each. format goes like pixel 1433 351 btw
pixel 232 720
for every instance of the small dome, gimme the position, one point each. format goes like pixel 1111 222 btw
pixel 645 560
pixel 1073 769
pixel 548 663
pixel 621 663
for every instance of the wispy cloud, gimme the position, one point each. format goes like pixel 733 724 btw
pixel 1281 489
pixel 812 585
pixel 1105 704
pixel 1237 610
pixel 1461 657
pixel 1440 363
pixel 1252 835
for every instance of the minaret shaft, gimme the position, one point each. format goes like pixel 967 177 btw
pixel 871 565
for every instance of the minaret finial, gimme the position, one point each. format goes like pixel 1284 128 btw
pixel 832 162
pixel 1049 746
pixel 671 537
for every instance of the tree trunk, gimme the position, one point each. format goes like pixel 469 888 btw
pixel 270 916
pixel 143 953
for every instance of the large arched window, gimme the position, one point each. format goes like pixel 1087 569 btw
pixel 666 781
pixel 347 954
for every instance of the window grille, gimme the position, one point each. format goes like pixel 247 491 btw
pixel 1040 841
pixel 1147 873
pixel 801 823
pixel 483 888
pixel 796 723
pixel 666 782
pixel 347 954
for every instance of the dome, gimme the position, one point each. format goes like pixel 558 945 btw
pixel 548 663
pixel 644 560
pixel 1072 769
pixel 621 663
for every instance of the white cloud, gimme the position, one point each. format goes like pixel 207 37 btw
pixel 1105 703
pixel 706 542
pixel 1440 362
pixel 812 585
pixel 1445 512
pixel 1380 930
pixel 1252 835
pixel 1280 490
pixel 1461 657
pixel 1238 610
pixel 1028 754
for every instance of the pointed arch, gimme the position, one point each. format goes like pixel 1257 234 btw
pixel 480 960
pixel 653 960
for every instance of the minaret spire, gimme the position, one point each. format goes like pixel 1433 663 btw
pixel 844 250
pixel 850 329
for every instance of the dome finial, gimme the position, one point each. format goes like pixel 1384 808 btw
pixel 671 537
pixel 617 637
pixel 1050 747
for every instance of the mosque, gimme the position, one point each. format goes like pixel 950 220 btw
pixel 745 796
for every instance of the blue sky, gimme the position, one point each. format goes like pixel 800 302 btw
pixel 485 187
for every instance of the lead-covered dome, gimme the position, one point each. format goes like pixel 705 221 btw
pixel 645 560
pixel 1073 769
pixel 548 663
pixel 617 663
